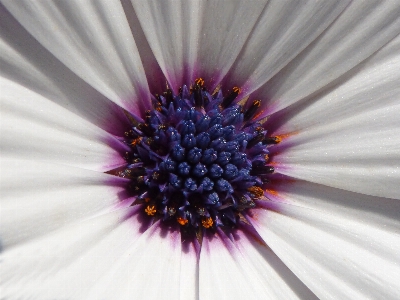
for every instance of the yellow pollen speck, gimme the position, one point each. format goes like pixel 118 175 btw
pixel 182 221
pixel 150 210
pixel 207 222
pixel 256 191
pixel 216 90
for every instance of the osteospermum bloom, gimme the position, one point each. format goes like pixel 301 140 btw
pixel 318 107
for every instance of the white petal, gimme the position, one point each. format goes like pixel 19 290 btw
pixel 66 263
pixel 189 273
pixel 149 269
pixel 275 276
pixel 35 128
pixel 93 39
pixel 225 273
pixel 154 74
pixel 362 29
pixel 372 85
pixel 350 137
pixel 38 197
pixel 376 213
pixel 283 30
pixel 360 155
pixel 336 243
pixel 196 38
pixel 28 63
pixel 164 25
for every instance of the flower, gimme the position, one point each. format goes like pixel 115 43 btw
pixel 327 75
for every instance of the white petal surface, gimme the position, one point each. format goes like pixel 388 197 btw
pixel 154 75
pixel 25 61
pixel 189 273
pixel 342 245
pixel 371 85
pixel 345 155
pixel 149 269
pixel 349 137
pixel 38 197
pixel 361 30
pixel 66 263
pixel 93 39
pixel 35 128
pixel 276 278
pixel 232 282
pixel 196 38
pixel 225 272
pixel 283 30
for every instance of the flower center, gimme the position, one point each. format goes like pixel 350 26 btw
pixel 198 160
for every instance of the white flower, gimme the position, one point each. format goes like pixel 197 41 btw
pixel 328 75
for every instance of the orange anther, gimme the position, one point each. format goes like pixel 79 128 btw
pixel 236 90
pixel 150 210
pixel 207 222
pixel 199 81
pixel 256 191
pixel 136 141
pixel 182 221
